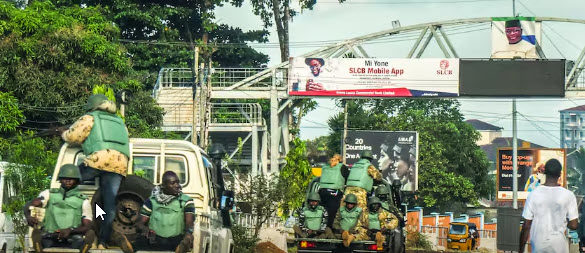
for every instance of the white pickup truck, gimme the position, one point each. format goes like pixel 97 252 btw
pixel 199 178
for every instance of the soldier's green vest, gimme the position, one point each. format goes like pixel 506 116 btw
pixel 349 218
pixel 373 221
pixel 64 209
pixel 331 177
pixel 313 218
pixel 386 206
pixel 358 175
pixel 108 132
pixel 168 220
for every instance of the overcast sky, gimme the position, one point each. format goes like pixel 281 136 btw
pixel 331 21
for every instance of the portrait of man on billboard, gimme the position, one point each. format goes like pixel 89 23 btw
pixel 514 37
pixel 315 65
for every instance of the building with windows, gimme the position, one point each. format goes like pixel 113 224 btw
pixel 573 127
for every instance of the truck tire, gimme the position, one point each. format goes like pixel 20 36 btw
pixel 396 242
pixel 133 191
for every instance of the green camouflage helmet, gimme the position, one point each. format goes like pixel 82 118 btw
pixel 69 171
pixel 366 154
pixel 382 190
pixel 374 200
pixel 314 196
pixel 351 198
pixel 94 101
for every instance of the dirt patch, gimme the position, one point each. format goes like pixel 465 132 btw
pixel 268 247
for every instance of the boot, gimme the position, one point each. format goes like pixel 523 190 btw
pixel 379 240
pixel 121 240
pixel 183 246
pixel 37 238
pixel 347 238
pixel 87 241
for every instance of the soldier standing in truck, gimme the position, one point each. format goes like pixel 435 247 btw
pixel 104 140
pixel 68 215
pixel 332 182
pixel 361 178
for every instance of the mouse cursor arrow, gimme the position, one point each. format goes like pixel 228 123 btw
pixel 99 212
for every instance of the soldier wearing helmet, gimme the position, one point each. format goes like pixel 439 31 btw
pixel 332 182
pixel 104 139
pixel 346 220
pixel 68 216
pixel 313 219
pixel 374 223
pixel 361 178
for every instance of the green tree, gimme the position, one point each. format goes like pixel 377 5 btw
pixel 10 114
pixel 317 150
pixel 295 177
pixel 51 58
pixel 263 195
pixel 448 153
pixel 30 162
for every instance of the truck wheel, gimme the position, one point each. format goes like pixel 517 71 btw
pixel 133 191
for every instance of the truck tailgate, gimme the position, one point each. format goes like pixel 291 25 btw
pixel 67 250
pixel 329 245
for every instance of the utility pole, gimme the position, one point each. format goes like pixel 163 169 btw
pixel 514 157
pixel 343 144
pixel 195 100
pixel 513 8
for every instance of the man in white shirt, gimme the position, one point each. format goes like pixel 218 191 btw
pixel 548 211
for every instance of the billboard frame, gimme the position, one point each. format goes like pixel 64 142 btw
pixel 564 174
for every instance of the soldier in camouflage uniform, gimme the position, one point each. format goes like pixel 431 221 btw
pixel 382 193
pixel 361 178
pixel 346 220
pixel 313 220
pixel 375 222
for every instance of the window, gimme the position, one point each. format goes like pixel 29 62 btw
pixel 209 171
pixel 177 164
pixel 582 135
pixel 567 134
pixel 144 166
pixel 573 119
pixel 575 145
pixel 575 134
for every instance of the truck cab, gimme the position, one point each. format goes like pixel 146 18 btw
pixel 150 158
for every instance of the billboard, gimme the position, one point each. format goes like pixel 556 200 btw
pixel 395 154
pixel 530 170
pixel 515 37
pixel 363 77
pixel 521 78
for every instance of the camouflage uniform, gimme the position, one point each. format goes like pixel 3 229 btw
pixel 107 160
pixel 361 194
pixel 387 219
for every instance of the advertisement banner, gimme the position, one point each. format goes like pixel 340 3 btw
pixel 362 77
pixel 530 170
pixel 395 154
pixel 515 37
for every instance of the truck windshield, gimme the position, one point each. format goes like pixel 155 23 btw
pixel 457 229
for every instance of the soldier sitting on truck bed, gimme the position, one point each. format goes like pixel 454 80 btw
pixel 361 178
pixel 313 220
pixel 383 193
pixel 68 215
pixel 346 220
pixel 375 222
pixel 170 215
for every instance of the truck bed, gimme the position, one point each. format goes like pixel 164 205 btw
pixel 335 245
pixel 66 250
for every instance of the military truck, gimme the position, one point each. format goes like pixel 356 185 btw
pixel 200 178
pixel 395 240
